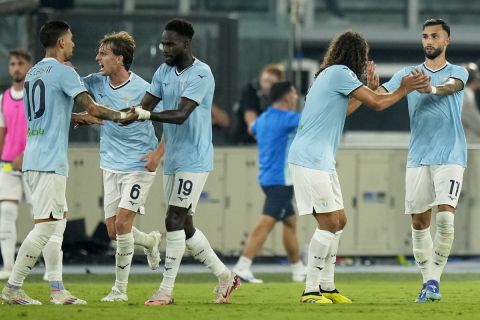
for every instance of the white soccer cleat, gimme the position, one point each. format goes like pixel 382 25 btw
pixel 64 297
pixel 159 299
pixel 17 296
pixel 247 276
pixel 225 288
pixel 115 295
pixel 5 274
pixel 153 255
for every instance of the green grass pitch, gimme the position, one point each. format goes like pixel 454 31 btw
pixel 375 296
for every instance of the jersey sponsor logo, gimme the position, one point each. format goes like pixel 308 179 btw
pixel 36 132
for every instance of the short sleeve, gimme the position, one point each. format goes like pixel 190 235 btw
pixel 293 119
pixel 2 121
pixel 198 86
pixel 393 84
pixel 71 83
pixel 345 81
pixel 88 82
pixel 156 85
pixel 461 74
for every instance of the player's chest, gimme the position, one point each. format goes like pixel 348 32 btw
pixel 437 79
pixel 117 100
pixel 173 87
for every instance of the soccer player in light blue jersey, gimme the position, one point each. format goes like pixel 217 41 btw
pixel 185 85
pixel 126 181
pixel 274 130
pixel 437 155
pixel 50 90
pixel 336 92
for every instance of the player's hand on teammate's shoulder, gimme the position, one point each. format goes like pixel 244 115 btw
pixel 84 119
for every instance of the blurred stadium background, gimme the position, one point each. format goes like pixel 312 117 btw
pixel 236 38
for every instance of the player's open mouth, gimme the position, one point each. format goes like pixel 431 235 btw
pixel 101 67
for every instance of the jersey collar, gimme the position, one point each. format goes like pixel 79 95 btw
pixel 439 69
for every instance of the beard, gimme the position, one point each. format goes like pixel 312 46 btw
pixel 173 61
pixel 17 78
pixel 434 54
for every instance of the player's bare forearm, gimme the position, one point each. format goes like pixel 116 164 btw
pixel 176 116
pixel 97 110
pixel 170 116
pixel 149 101
pixel 451 86
pixel 250 117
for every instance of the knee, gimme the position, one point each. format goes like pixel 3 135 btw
pixel 445 223
pixel 342 223
pixel 175 219
pixel 111 231
pixel 420 225
pixel 122 226
pixel 189 228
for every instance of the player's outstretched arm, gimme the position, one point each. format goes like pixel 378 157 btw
pixel 101 111
pixel 373 82
pixel 450 86
pixel 175 116
pixel 149 101
pixel 380 101
pixel 84 119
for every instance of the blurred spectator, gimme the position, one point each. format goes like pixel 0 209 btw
pixel 254 100
pixel 470 112
pixel 220 126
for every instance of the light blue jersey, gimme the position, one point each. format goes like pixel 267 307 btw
pixel 435 121
pixel 188 147
pixel 321 125
pixel 50 88
pixel 122 146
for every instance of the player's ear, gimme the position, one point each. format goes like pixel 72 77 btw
pixel 61 42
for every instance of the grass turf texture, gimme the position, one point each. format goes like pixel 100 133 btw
pixel 375 296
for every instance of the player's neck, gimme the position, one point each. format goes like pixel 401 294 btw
pixel 281 106
pixel 55 54
pixel 185 63
pixel 17 86
pixel 118 78
pixel 437 63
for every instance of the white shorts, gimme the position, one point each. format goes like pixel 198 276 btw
pixel 316 190
pixel 47 191
pixel 183 189
pixel 429 186
pixel 11 185
pixel 127 190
